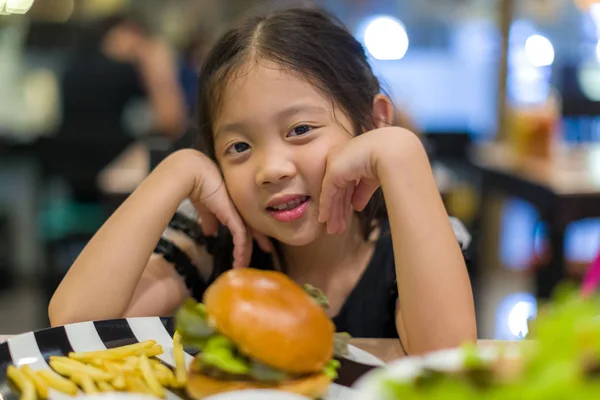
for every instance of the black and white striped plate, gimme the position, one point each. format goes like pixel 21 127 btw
pixel 35 349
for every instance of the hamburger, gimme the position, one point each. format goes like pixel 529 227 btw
pixel 258 330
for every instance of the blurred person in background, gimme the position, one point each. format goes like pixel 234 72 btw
pixel 116 63
pixel 193 51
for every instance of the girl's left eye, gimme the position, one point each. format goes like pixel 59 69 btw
pixel 300 130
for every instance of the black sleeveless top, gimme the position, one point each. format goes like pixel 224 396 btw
pixel 369 311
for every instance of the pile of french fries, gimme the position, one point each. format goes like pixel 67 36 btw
pixel 129 368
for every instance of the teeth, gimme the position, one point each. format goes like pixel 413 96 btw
pixel 290 204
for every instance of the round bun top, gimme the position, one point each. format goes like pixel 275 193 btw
pixel 271 319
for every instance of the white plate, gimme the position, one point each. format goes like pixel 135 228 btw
pixel 363 357
pixel 369 386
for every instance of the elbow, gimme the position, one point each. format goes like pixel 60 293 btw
pixel 464 334
pixel 55 317
pixel 60 314
pixel 446 339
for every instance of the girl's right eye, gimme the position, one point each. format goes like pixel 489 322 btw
pixel 238 148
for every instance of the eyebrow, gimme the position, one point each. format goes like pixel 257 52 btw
pixel 281 115
pixel 293 110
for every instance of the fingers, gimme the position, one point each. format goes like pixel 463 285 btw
pixel 219 208
pixel 347 207
pixel 362 195
pixel 209 223
pixel 340 210
pixel 333 222
pixel 325 205
pixel 246 255
pixel 263 242
pixel 242 249
pixel 337 211
pixel 334 203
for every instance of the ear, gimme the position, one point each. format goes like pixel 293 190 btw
pixel 383 111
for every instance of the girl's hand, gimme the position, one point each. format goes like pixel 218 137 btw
pixel 351 175
pixel 210 197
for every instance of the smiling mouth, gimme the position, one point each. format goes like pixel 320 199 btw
pixel 289 205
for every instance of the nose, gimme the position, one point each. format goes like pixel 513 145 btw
pixel 274 168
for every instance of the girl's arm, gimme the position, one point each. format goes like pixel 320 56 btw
pixel 115 275
pixel 161 290
pixel 435 307
pixel 101 282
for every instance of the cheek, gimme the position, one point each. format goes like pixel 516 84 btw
pixel 313 167
pixel 239 187
pixel 315 159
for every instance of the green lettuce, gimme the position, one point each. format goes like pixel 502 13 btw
pixel 219 354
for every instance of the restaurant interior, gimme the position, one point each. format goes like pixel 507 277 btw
pixel 504 94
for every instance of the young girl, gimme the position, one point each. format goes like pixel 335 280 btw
pixel 299 155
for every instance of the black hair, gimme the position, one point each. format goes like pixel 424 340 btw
pixel 313 44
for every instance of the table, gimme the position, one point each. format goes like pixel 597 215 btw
pixel 564 189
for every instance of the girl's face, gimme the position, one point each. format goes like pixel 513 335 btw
pixel 272 136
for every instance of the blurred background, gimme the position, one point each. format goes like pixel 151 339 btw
pixel 504 93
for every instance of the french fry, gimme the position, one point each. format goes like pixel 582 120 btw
pixel 59 383
pixel 180 371
pixel 134 347
pixel 102 354
pixel 105 386
pixel 150 351
pixel 40 386
pixel 85 381
pixel 61 368
pixel 117 369
pixel 131 363
pixel 164 374
pixel 112 367
pixel 119 382
pixel 136 384
pixel 25 386
pixel 59 358
pixel 127 368
pixel 67 367
pixel 116 353
pixel 150 377
pixel 154 362
pixel 97 362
